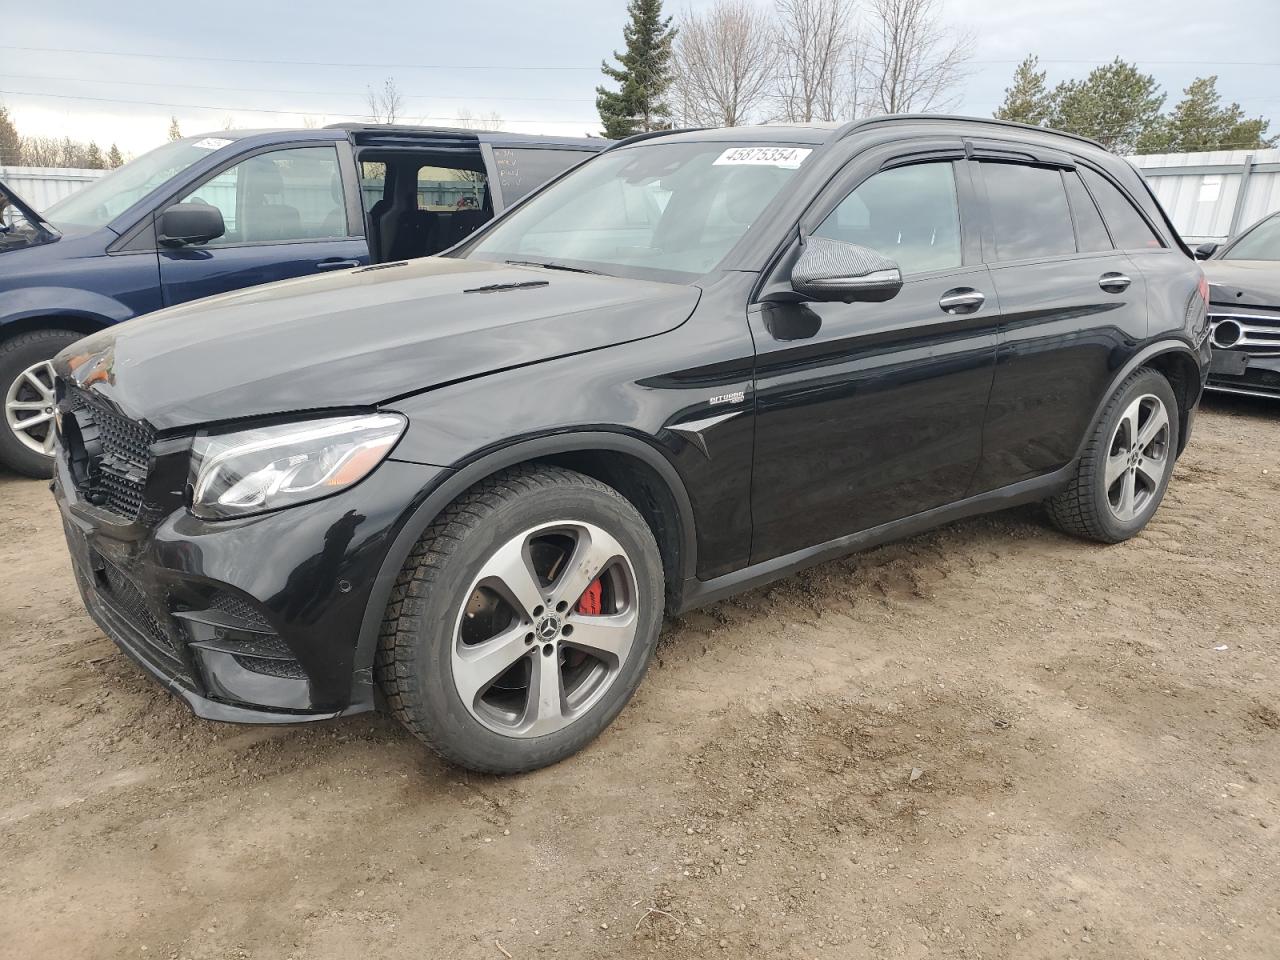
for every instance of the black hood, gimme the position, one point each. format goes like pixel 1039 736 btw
pixel 1243 283
pixel 360 338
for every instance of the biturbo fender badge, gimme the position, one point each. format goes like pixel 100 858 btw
pixel 700 424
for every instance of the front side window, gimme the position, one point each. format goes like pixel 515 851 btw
pixel 1029 213
pixel 1260 243
pixel 1128 229
pixel 910 214
pixel 278 197
pixel 103 200
pixel 663 210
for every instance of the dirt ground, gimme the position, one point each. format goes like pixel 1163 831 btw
pixel 989 741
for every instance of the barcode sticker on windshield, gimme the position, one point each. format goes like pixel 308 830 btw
pixel 211 143
pixel 787 157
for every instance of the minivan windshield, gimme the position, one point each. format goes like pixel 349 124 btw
pixel 665 211
pixel 103 200
pixel 1260 243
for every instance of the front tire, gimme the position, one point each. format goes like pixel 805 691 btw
pixel 523 620
pixel 1126 465
pixel 26 394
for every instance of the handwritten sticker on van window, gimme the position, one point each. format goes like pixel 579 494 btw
pixel 211 143
pixel 788 158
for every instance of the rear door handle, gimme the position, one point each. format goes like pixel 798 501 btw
pixel 1114 282
pixel 337 264
pixel 961 300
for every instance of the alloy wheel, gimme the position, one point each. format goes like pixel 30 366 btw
pixel 1138 457
pixel 29 407
pixel 546 628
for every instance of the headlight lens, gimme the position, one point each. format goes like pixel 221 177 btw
pixel 266 468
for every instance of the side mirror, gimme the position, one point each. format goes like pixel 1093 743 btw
pixel 1206 250
pixel 190 223
pixel 845 272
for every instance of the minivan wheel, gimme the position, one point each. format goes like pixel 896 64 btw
pixel 523 620
pixel 26 386
pixel 1126 466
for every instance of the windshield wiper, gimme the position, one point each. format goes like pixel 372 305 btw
pixel 550 266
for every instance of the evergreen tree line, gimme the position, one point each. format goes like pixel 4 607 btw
pixel 20 151
pixel 1123 109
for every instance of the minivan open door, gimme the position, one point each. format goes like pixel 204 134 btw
pixel 20 225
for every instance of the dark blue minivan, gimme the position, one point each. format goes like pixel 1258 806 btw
pixel 210 214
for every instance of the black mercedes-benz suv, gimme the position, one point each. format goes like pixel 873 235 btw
pixel 697 362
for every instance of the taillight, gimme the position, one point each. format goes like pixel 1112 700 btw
pixel 1203 287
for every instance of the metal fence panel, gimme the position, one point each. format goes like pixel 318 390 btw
pixel 42 187
pixel 1215 194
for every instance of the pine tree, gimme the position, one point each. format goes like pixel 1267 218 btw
pixel 1115 105
pixel 10 142
pixel 93 157
pixel 1027 99
pixel 1201 122
pixel 643 74
pixel 113 157
pixel 174 132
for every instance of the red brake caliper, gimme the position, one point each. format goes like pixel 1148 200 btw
pixel 590 602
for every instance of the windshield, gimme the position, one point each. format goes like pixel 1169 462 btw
pixel 1260 243
pixel 103 200
pixel 663 210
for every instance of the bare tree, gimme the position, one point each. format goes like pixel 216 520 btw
pixel 815 42
pixel 485 121
pixel 723 65
pixel 913 61
pixel 385 104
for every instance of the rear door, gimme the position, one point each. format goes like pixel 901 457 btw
pixel 871 412
pixel 286 213
pixel 1068 301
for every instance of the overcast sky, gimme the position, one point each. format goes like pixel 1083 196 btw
pixel 448 57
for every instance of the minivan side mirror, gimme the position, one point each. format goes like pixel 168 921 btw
pixel 1206 250
pixel 190 223
pixel 831 270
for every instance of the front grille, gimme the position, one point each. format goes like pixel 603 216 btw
pixel 128 600
pixel 1252 331
pixel 114 456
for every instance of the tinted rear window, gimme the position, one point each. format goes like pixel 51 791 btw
pixel 523 171
pixel 1029 211
pixel 1128 229
pixel 1091 235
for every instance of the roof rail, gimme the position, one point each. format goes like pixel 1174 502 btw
pixel 649 135
pixel 853 125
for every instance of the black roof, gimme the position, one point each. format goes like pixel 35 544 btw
pixel 482 136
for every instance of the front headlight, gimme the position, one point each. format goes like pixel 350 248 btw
pixel 266 468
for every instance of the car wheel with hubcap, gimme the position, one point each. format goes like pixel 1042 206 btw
pixel 1126 465
pixel 523 620
pixel 26 379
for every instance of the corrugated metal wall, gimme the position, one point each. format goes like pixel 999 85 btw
pixel 42 187
pixel 1202 191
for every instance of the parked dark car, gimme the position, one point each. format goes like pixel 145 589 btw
pixel 1244 310
pixel 698 362
pixel 210 214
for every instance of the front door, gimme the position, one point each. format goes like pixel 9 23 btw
pixel 286 216
pixel 871 412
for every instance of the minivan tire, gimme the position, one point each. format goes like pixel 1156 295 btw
pixel 1085 508
pixel 18 354
pixel 422 632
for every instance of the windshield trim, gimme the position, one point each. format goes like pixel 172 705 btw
pixel 465 250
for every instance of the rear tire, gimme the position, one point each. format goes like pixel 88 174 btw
pixel 504 648
pixel 25 373
pixel 1125 469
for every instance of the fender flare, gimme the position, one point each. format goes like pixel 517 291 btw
pixel 468 475
pixel 1139 359
pixel 26 303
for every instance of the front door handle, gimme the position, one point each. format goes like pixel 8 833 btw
pixel 337 264
pixel 1114 282
pixel 961 300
